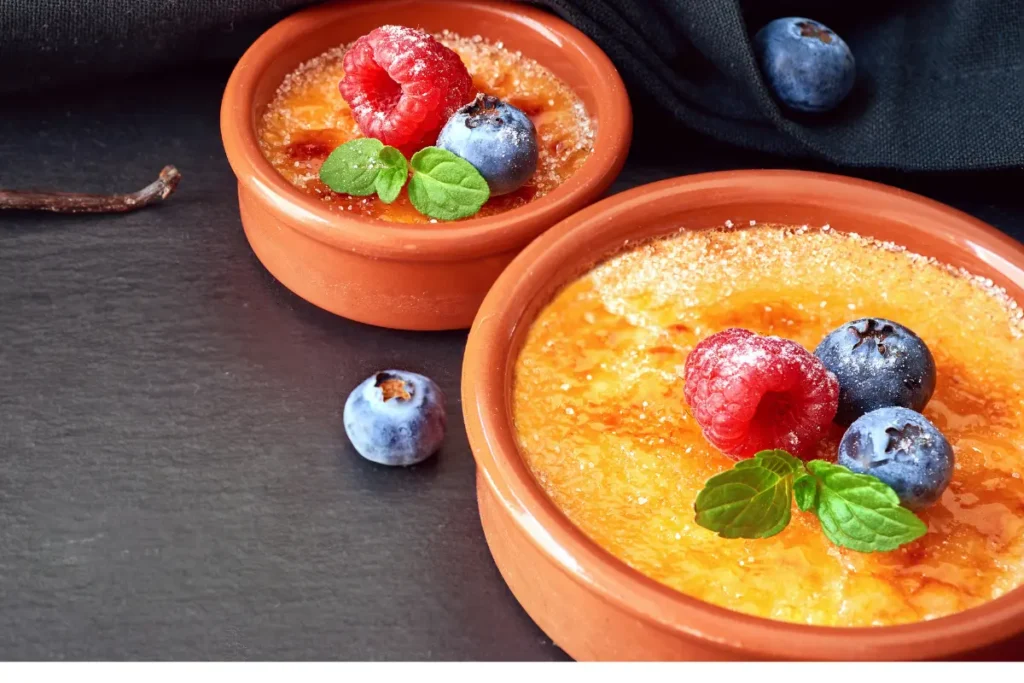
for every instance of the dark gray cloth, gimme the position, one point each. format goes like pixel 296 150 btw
pixel 940 83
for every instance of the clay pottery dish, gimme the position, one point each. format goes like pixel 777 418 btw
pixel 416 278
pixel 592 604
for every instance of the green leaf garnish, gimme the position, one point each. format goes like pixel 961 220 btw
pixel 752 500
pixel 443 185
pixel 778 461
pixel 860 512
pixel 353 168
pixel 806 490
pixel 446 186
pixel 392 175
pixel 856 511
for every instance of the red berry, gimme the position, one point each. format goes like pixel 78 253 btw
pixel 403 85
pixel 751 393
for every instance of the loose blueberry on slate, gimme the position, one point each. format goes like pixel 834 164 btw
pixel 903 449
pixel 396 418
pixel 496 138
pixel 878 363
pixel 807 66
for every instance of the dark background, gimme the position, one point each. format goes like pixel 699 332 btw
pixel 940 83
pixel 175 482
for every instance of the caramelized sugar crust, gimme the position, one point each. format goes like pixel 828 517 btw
pixel 601 421
pixel 308 118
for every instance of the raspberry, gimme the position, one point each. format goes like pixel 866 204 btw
pixel 403 85
pixel 751 393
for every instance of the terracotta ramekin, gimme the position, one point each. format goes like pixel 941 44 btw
pixel 590 603
pixel 415 278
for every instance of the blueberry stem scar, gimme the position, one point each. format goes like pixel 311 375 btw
pixel 876 332
pixel 73 202
pixel 392 387
pixel 901 439
pixel 483 104
pixel 809 30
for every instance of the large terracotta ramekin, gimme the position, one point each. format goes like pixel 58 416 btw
pixel 416 278
pixel 590 603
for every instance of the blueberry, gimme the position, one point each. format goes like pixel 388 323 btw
pixel 807 66
pixel 496 138
pixel 396 418
pixel 878 363
pixel 903 449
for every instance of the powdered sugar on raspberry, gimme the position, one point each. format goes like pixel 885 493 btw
pixel 402 85
pixel 751 393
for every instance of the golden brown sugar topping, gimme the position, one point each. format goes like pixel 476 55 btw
pixel 602 423
pixel 308 118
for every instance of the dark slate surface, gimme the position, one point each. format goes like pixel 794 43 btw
pixel 174 478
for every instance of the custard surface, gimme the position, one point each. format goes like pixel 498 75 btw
pixel 601 420
pixel 308 119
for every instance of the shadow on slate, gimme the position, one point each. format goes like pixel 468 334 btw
pixel 175 481
pixel 940 82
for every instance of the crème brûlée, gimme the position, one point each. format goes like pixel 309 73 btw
pixel 308 118
pixel 602 423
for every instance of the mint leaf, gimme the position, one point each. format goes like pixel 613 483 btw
pixel 861 512
pixel 446 186
pixel 778 461
pixel 752 500
pixel 391 177
pixel 805 489
pixel 352 168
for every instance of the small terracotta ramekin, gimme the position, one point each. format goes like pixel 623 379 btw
pixel 590 603
pixel 416 278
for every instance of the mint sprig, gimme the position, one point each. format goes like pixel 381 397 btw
pixel 392 175
pixel 861 512
pixel 353 168
pixel 443 185
pixel 806 490
pixel 752 500
pixel 856 511
pixel 446 186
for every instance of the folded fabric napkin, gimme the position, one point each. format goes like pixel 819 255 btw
pixel 940 84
